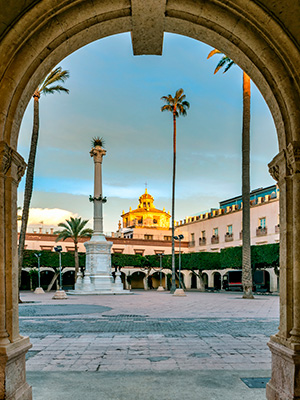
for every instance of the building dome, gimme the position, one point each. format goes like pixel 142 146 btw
pixel 146 215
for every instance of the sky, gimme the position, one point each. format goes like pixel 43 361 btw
pixel 117 96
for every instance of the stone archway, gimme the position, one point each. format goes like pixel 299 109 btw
pixel 260 35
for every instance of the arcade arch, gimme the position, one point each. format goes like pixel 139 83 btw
pixel 251 32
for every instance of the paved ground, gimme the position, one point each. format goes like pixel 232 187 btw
pixel 148 345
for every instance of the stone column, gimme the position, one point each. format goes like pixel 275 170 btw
pixel 13 347
pixel 98 278
pixel 285 344
pixel 210 281
pixel 98 153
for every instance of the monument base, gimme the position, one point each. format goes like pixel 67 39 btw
pixel 160 289
pixel 98 279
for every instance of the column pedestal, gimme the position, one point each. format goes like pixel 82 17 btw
pixel 12 368
pixel 285 382
pixel 98 278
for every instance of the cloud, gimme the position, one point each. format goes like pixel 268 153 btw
pixel 48 216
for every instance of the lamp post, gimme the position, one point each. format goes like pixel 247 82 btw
pixel 59 294
pixel 179 291
pixel 39 289
pixel 160 288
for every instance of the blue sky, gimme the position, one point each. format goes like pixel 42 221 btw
pixel 117 95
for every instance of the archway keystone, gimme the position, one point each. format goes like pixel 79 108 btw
pixel 148 26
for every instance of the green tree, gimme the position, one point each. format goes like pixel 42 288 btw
pixel 50 85
pixel 177 105
pixel 247 280
pixel 74 228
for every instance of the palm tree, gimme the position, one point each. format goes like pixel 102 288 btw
pixel 177 105
pixel 50 85
pixel 74 228
pixel 246 238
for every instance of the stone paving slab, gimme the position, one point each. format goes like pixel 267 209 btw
pixel 140 385
pixel 148 346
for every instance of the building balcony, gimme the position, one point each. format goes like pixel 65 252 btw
pixel 229 237
pixel 214 239
pixel 261 231
pixel 202 241
pixel 277 228
pixel 192 243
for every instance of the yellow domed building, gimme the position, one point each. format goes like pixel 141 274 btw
pixel 146 216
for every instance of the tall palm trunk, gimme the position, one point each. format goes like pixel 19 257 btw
pixel 29 181
pixel 247 271
pixel 173 286
pixel 76 262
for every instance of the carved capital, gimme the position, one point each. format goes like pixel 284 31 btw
pixel 20 165
pixel 5 157
pixel 11 162
pixel 97 153
pixel 278 168
pixel 293 157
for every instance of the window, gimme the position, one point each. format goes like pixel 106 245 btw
pixel 229 229
pixel 45 247
pixel 192 237
pixel 148 237
pixel 144 204
pixel 70 249
pixel 262 222
pixel 139 251
pixel 216 232
pixel 118 251
pixel 168 238
pixel 157 252
pixel 203 235
pixel 154 221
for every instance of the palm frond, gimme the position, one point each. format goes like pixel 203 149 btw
pixel 167 107
pixel 55 76
pixel 225 61
pixel 213 52
pixel 86 232
pixel 230 64
pixel 53 89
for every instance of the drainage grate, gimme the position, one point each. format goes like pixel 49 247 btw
pixel 256 383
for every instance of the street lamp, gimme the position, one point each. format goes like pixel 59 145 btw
pixel 59 294
pixel 180 291
pixel 39 289
pixel 160 288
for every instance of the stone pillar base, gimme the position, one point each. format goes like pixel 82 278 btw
pixel 285 382
pixel 13 385
pixel 39 290
pixel 160 289
pixel 60 295
pixel 179 292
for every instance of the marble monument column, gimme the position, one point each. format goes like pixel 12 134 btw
pixel 98 278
